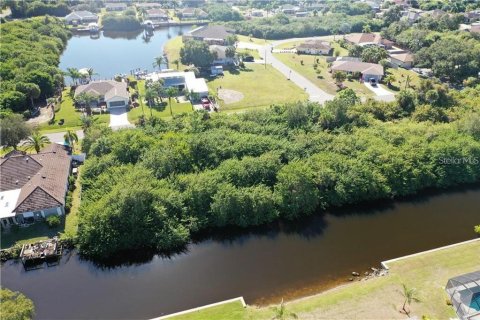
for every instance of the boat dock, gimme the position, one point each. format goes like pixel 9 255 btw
pixel 34 255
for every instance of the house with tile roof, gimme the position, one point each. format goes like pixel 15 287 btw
pixel 80 17
pixel 365 39
pixel 402 59
pixel 112 94
pixel 367 70
pixel 212 34
pixel 33 186
pixel 314 47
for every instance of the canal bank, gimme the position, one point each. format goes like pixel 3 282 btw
pixel 283 261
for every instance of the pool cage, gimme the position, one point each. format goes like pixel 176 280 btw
pixel 464 293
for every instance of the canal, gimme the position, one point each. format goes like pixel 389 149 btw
pixel 113 53
pixel 284 260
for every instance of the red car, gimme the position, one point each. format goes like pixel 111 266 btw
pixel 205 103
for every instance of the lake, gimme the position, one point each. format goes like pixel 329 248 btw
pixel 117 52
pixel 263 265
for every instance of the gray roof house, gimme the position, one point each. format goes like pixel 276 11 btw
pixel 192 13
pixel 367 70
pixel 157 15
pixel 115 6
pixel 212 34
pixel 79 17
pixel 113 93
pixel 220 53
pixel 314 47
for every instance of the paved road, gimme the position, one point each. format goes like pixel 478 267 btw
pixel 315 94
pixel 119 119
pixel 57 137
pixel 381 94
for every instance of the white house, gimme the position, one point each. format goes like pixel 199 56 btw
pixel 220 53
pixel 113 94
pixel 80 17
pixel 402 59
pixel 182 81
pixel 314 47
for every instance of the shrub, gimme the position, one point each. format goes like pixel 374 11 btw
pixel 68 202
pixel 477 229
pixel 53 221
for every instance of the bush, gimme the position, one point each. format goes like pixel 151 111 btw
pixel 68 202
pixel 53 221
pixel 477 229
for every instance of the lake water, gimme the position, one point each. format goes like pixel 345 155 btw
pixel 114 53
pixel 283 260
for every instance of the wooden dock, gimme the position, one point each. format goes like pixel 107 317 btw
pixel 34 255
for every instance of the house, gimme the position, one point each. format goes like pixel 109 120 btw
pixel 182 81
pixel 220 53
pixel 212 34
pixel 157 15
pixel 314 47
pixel 367 71
pixel 111 93
pixel 33 186
pixel 363 39
pixel 115 6
pixel 80 17
pixel 475 27
pixel 148 5
pixel 256 13
pixel 289 9
pixel 402 59
pixel 192 13
pixel 472 16
pixel 412 15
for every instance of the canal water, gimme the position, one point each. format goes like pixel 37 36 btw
pixel 281 261
pixel 115 53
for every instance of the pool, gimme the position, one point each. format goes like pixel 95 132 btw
pixel 475 303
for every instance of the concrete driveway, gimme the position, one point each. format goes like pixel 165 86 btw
pixel 119 119
pixel 381 94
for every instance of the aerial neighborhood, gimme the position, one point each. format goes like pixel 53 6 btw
pixel 237 159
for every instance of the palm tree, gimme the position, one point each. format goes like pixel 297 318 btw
pixel 74 74
pixel 410 295
pixel 281 313
pixel 158 62
pixel 70 137
pixel 90 73
pixel 36 141
pixel 389 79
pixel 171 92
pixel 176 62
pixel 407 82
pixel 150 95
pixel 366 28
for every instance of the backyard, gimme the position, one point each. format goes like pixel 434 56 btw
pixel 258 85
pixel 378 298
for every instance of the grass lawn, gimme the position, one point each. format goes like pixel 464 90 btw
pixel 71 116
pixel 251 52
pixel 260 87
pixel 401 75
pixel 40 230
pixel 172 50
pixel 252 40
pixel 378 298
pixel 161 111
pixel 325 82
pixel 229 311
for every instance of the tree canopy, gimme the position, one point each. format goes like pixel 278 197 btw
pixel 16 306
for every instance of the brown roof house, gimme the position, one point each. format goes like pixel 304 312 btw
pixel 33 186
pixel 157 15
pixel 367 71
pixel 364 39
pixel 314 47
pixel 212 34
pixel 192 13
pixel 402 59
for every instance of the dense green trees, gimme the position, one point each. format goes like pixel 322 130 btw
pixel 13 130
pixel 196 53
pixel 24 9
pixel 16 306
pixel 120 22
pixel 30 54
pixel 222 12
pixel 168 180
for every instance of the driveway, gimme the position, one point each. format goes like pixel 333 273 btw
pixel 119 119
pixel 57 137
pixel 381 94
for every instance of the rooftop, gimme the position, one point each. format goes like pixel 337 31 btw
pixel 359 38
pixel 106 88
pixel 356 66
pixel 211 32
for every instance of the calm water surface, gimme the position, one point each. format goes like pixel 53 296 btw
pixel 263 266
pixel 115 53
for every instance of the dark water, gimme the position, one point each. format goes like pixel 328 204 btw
pixel 115 53
pixel 263 266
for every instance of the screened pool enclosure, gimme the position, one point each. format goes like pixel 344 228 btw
pixel 464 293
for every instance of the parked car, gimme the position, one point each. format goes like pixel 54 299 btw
pixel 248 59
pixel 373 82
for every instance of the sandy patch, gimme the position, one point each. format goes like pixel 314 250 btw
pixel 230 96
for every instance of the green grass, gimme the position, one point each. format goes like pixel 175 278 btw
pixel 252 40
pixel 161 111
pixel 378 298
pixel 400 75
pixel 71 116
pixel 228 311
pixel 172 50
pixel 260 86
pixel 251 52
